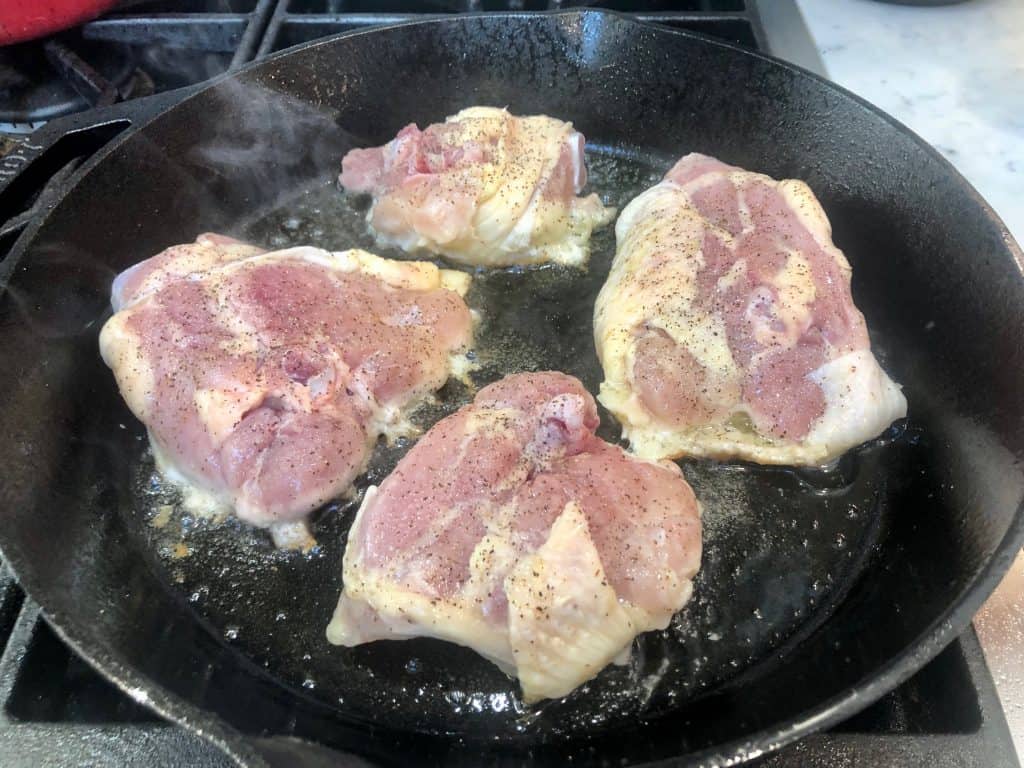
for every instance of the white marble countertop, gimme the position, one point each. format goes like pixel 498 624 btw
pixel 955 75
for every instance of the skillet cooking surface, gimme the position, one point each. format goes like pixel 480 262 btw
pixel 780 546
pixel 814 585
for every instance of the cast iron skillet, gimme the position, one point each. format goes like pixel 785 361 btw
pixel 819 591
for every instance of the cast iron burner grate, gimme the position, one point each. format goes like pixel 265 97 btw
pixel 28 100
pixel 54 709
pixel 156 46
pixel 297 21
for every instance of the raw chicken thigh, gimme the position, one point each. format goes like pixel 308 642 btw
pixel 726 327
pixel 484 187
pixel 511 528
pixel 264 379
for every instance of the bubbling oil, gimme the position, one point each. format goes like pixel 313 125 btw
pixel 778 543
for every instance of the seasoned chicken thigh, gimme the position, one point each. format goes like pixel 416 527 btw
pixel 484 188
pixel 726 327
pixel 264 379
pixel 511 528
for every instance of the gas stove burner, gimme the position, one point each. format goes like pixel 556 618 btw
pixel 41 80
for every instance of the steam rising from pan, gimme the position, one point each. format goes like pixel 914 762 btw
pixel 274 146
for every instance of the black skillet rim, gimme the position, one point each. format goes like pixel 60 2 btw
pixel 830 712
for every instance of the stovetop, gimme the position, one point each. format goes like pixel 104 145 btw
pixel 54 708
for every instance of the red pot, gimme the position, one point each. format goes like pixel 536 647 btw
pixel 25 19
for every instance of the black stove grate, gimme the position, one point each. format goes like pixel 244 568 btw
pixel 56 710
pixel 158 46
pixel 300 21
pixel 267 26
